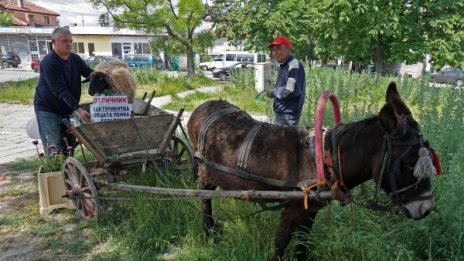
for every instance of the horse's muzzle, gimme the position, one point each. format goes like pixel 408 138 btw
pixel 419 208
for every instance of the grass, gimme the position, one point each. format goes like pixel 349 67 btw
pixel 18 92
pixel 149 79
pixel 140 226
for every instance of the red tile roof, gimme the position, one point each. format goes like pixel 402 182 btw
pixel 28 7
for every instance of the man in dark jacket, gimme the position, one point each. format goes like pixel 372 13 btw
pixel 290 89
pixel 58 92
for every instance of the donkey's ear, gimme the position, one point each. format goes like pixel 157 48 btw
pixel 394 115
pixel 392 93
pixel 393 97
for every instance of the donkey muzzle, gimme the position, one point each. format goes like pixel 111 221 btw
pixel 421 207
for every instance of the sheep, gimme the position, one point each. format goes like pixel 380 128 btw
pixel 113 77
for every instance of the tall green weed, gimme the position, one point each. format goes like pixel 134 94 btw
pixel 149 79
pixel 20 91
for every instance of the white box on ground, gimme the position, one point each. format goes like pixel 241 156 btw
pixel 51 191
pixel 263 76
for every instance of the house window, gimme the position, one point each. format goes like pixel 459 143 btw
pixel 33 47
pixel 91 48
pixel 46 20
pixel 116 50
pixel 34 57
pixel 126 48
pixel 141 48
pixel 138 48
pixel 30 18
pixel 78 47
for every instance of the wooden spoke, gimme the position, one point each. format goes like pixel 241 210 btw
pixel 178 155
pixel 81 188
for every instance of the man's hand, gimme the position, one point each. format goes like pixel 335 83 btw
pixel 269 94
pixel 85 115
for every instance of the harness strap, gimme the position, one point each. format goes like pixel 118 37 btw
pixel 245 148
pixel 207 123
pixel 246 175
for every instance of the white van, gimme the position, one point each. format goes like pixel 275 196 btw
pixel 226 59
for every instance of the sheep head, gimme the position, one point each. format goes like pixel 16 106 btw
pixel 98 82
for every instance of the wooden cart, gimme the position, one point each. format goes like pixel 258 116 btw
pixel 147 138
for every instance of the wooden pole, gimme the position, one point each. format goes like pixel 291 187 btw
pixel 244 194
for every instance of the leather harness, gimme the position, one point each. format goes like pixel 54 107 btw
pixel 240 169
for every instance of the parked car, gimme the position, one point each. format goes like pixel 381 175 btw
pixel 11 59
pixel 229 58
pixel 35 65
pixel 144 60
pixel 224 73
pixel 94 60
pixel 453 76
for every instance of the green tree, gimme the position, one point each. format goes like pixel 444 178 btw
pixel 177 25
pixel 5 19
pixel 104 20
pixel 390 31
pixel 259 21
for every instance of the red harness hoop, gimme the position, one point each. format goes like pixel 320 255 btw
pixel 319 150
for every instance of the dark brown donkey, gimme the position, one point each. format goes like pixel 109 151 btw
pixel 229 144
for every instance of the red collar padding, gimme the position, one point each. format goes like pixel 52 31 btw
pixel 436 161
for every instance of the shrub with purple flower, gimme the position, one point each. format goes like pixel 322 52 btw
pixel 52 159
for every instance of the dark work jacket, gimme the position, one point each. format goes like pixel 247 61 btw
pixel 59 87
pixel 290 89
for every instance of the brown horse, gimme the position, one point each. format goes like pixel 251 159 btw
pixel 384 147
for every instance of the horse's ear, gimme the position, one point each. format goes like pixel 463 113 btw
pixel 394 114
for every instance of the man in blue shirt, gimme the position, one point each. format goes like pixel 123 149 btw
pixel 58 92
pixel 290 89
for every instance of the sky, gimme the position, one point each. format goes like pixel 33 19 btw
pixel 72 11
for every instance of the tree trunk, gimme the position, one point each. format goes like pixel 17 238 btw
pixel 378 60
pixel 190 65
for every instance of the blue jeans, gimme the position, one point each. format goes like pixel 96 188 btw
pixel 53 132
pixel 287 119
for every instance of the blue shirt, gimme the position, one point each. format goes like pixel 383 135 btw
pixel 290 89
pixel 59 87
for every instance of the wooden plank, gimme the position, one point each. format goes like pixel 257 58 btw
pixel 84 140
pixel 244 194
pixel 170 131
pixel 122 136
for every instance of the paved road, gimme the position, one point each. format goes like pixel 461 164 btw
pixel 23 72
pixel 14 142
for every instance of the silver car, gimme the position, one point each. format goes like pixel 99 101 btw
pixel 454 76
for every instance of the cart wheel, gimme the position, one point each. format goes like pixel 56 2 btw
pixel 178 155
pixel 81 189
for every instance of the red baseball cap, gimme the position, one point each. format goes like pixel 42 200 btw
pixel 280 40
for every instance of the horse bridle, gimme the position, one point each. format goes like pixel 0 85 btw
pixel 393 166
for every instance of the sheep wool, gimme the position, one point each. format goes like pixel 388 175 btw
pixel 123 82
pixel 108 66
